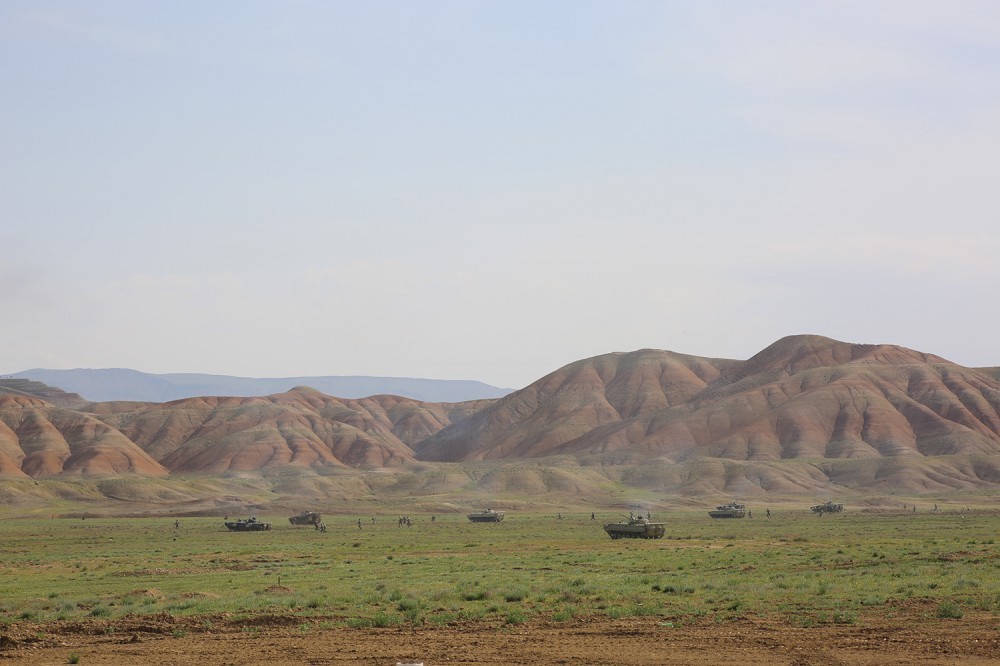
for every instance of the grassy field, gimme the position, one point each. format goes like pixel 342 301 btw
pixel 795 566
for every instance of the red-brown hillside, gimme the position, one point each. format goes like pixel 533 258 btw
pixel 802 397
pixel 574 402
pixel 38 439
pixel 806 412
pixel 301 428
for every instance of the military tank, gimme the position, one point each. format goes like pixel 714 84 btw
pixel 306 518
pixel 827 507
pixel 250 524
pixel 636 527
pixel 485 516
pixel 731 510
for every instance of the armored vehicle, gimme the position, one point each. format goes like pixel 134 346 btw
pixel 251 524
pixel 827 507
pixel 306 518
pixel 485 516
pixel 731 510
pixel 635 528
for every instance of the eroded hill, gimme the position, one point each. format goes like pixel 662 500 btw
pixel 804 397
pixel 38 439
pixel 805 414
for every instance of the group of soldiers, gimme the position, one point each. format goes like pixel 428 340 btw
pixel 403 520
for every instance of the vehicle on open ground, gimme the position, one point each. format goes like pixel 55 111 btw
pixel 250 524
pixel 306 518
pixel 636 527
pixel 485 516
pixel 731 510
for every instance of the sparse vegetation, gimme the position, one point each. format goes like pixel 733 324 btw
pixel 810 572
pixel 949 609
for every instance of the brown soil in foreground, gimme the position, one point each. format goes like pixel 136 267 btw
pixel 274 640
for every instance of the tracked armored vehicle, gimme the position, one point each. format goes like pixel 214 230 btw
pixel 485 516
pixel 306 518
pixel 251 524
pixel 635 528
pixel 827 507
pixel 731 510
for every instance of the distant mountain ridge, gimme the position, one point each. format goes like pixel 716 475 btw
pixel 122 384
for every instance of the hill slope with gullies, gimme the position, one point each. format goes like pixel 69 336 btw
pixel 301 428
pixel 807 414
pixel 38 439
pixel 804 397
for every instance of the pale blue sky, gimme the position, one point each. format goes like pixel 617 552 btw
pixel 490 190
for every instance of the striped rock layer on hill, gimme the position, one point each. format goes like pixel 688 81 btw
pixel 300 428
pixel 804 398
pixel 38 439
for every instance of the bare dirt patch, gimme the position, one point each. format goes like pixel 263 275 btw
pixel 199 595
pixel 165 639
pixel 151 593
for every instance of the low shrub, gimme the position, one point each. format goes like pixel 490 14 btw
pixel 950 610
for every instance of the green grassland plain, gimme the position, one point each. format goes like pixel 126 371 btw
pixel 794 567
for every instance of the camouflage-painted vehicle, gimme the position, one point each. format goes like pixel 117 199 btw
pixel 251 524
pixel 485 516
pixel 635 528
pixel 306 518
pixel 827 507
pixel 731 510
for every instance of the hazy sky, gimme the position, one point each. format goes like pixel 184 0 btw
pixel 490 190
